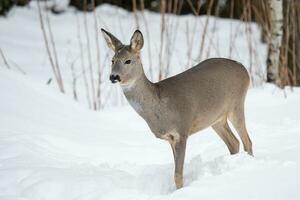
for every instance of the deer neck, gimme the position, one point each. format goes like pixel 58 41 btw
pixel 142 95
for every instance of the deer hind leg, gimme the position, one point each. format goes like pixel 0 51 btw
pixel 223 130
pixel 237 118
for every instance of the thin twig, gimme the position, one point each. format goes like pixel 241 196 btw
pixel 99 70
pixel 135 14
pixel 148 39
pixel 53 47
pixel 205 29
pixel 162 30
pixel 4 59
pixel 56 75
pixel 94 106
pixel 85 81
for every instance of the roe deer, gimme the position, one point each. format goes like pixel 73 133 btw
pixel 208 94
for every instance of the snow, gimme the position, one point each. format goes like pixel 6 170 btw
pixel 53 148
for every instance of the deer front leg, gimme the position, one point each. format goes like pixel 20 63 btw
pixel 178 147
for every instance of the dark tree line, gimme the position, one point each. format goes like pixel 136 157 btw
pixel 182 6
pixel 6 5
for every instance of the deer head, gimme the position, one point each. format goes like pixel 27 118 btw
pixel 126 63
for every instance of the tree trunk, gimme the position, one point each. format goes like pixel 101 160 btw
pixel 275 38
pixel 296 65
pixel 297 45
pixel 290 48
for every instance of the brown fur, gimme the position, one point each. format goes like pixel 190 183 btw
pixel 208 94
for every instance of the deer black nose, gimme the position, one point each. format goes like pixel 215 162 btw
pixel 114 78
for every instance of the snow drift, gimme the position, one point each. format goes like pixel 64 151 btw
pixel 52 148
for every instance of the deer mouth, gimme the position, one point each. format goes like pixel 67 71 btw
pixel 115 78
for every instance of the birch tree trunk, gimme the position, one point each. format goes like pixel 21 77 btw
pixel 275 39
pixel 296 65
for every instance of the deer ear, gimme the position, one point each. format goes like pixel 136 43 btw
pixel 111 41
pixel 137 41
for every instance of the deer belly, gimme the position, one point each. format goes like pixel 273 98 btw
pixel 200 124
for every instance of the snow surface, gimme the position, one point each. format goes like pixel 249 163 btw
pixel 52 148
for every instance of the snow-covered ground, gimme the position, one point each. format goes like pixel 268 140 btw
pixel 52 148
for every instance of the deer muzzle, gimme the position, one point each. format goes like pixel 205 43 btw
pixel 114 78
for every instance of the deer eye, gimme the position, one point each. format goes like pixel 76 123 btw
pixel 127 62
pixel 112 61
